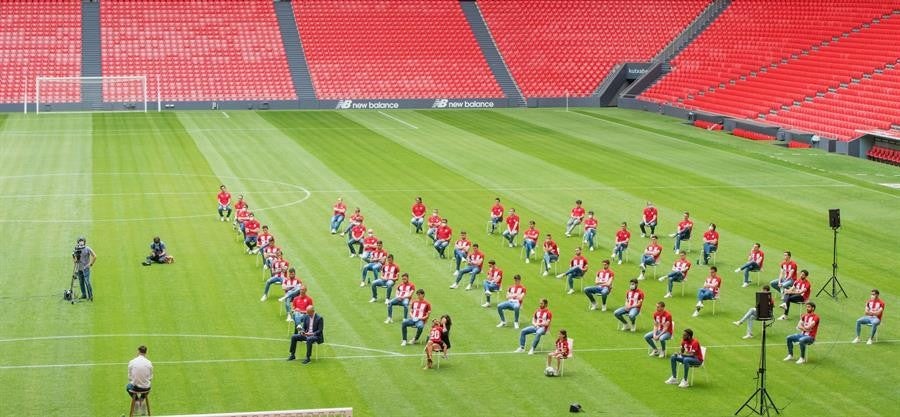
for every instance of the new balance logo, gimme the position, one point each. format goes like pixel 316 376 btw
pixel 343 104
pixel 439 103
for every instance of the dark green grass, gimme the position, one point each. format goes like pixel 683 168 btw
pixel 121 179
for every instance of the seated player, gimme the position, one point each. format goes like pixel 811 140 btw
pixel 355 219
pixel 461 250
pixel 369 242
pixel 634 299
pixel 590 230
pixel 650 257
pixel 405 292
pixel 874 310
pixel 512 227
pixel 787 274
pixel 561 352
pixel 529 241
pixel 299 304
pixel 649 217
pixel 680 269
pixel 750 316
pixel 575 218
pixel 264 240
pixel 278 270
pixel 158 253
pixel 434 221
pixel 602 285
pixel 251 232
pixel 474 261
pixel 239 205
pixel 551 254
pixel 540 325
pixel 710 289
pixel 662 330
pixel 292 286
pixel 438 339
pixel 515 296
pixel 418 214
pixel 389 273
pixel 797 293
pixel 241 215
pixel 808 327
pixel 710 243
pixel 375 261
pixel 493 282
pixel 338 211
pixel 355 239
pixel 270 253
pixel 623 236
pixel 577 268
pixel 420 309
pixel 691 355
pixel 683 232
pixel 754 263
pixel 442 237
pixel 496 215
pixel 224 198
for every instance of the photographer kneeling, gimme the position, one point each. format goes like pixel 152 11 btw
pixel 158 253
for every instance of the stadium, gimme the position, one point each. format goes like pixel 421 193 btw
pixel 775 121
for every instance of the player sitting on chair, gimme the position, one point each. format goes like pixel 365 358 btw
pixel 561 352
pixel 683 232
pixel 438 339
pixel 158 253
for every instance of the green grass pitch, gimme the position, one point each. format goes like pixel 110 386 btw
pixel 120 179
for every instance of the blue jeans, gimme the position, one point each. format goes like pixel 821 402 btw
pixel 410 322
pixel 375 267
pixel 652 227
pixel 440 246
pixel 225 208
pixel 347 229
pixel 404 302
pixel 418 222
pixel 748 268
pixel 474 270
pixel 458 256
pixel 674 276
pixel 619 250
pixel 490 287
pixel 288 297
pixel 383 283
pixel 749 317
pixel 494 222
pixel 774 285
pixel 549 259
pixel 662 339
pixel 680 237
pixel 589 235
pixel 509 305
pixel 250 241
pixel 273 280
pixel 708 248
pixel 510 236
pixel 705 294
pixel 572 273
pixel 537 331
pixel 299 317
pixel 358 243
pixel 431 233
pixel 869 320
pixel 84 281
pixel 571 223
pixel 529 245
pixel 336 221
pixel 647 260
pixel 632 314
pixel 802 339
pixel 590 291
pixel 688 362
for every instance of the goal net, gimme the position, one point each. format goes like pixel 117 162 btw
pixel 83 94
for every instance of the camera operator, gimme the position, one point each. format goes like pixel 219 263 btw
pixel 84 257
pixel 157 253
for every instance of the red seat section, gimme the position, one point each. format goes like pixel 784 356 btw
pixel 39 39
pixel 884 154
pixel 555 48
pixel 380 49
pixel 207 50
pixel 752 34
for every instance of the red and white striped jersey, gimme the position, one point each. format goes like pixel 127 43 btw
pixel 512 223
pixel 541 318
pixel 634 298
pixel 810 321
pixel 580 262
pixel 339 208
pixel 875 307
pixel 653 250
pixel 682 265
pixel 476 258
pixel 390 271
pixel 495 275
pixel 419 310
pixel 377 256
pixel 713 282
pixel 434 221
pixel 369 243
pixel 757 256
pixel 551 247
pixel 279 268
pixel 290 284
pixel 463 244
pixel 516 292
pixel 662 322
pixel 605 277
pixel 406 290
pixel 532 234
pixel 264 239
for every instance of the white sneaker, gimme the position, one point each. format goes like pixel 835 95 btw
pixel 625 327
pixel 333 231
pixel 640 277
pixel 783 317
pixel 221 219
pixel 619 263
pixel 486 305
pixel 510 245
pixel 281 298
pixel 388 320
pixel 352 255
pixel 386 301
pixel 468 287
pixel 527 261
pixel 570 292
pixel 403 343
pixel 591 248
pixel 662 354
pixel 342 233
pixel 748 336
pixel 516 325
pixel 789 358
pixel 454 286
pixel 684 384
pixel 593 306
pixel 289 318
pixel 855 340
pixel 501 324
pixel 560 275
pixel 699 303
pixel 672 235
pixel 676 251
pixel 737 270
pixel 661 279
pixel 672 380
pixel 263 298
pixel 736 323
pixel 745 285
pixel 373 299
pixel 668 295
pixel 545 274
pixel 531 351
pixel 633 328
pixel 696 313
pixel 454 274
pixel 519 350
pixel 603 307
pixel 362 284
pixel 801 361
pixel 612 255
pixel 654 352
pixel 870 341
pixel 643 235
pixel 568 235
pixel 782 306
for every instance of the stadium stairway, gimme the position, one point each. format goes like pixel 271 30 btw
pixel 90 54
pixel 296 56
pixel 693 30
pixel 491 54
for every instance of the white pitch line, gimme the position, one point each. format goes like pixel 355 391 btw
pixel 138 194
pixel 226 115
pixel 396 119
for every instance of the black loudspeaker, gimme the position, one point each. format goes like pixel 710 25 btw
pixel 834 218
pixel 763 305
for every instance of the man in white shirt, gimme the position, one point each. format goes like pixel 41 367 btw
pixel 140 372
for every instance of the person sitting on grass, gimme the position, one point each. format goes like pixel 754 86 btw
pixel 158 253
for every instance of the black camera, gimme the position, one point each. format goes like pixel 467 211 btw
pixel 79 248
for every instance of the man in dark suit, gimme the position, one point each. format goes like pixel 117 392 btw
pixel 310 330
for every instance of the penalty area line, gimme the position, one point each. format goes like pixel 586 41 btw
pixel 398 120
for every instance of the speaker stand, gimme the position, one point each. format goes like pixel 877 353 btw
pixel 835 284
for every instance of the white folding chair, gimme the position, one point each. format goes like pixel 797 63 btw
pixel 715 302
pixel 571 355
pixel 702 366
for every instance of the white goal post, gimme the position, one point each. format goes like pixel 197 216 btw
pixel 92 94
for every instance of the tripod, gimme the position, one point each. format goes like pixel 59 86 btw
pixel 73 299
pixel 835 284
pixel 765 400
